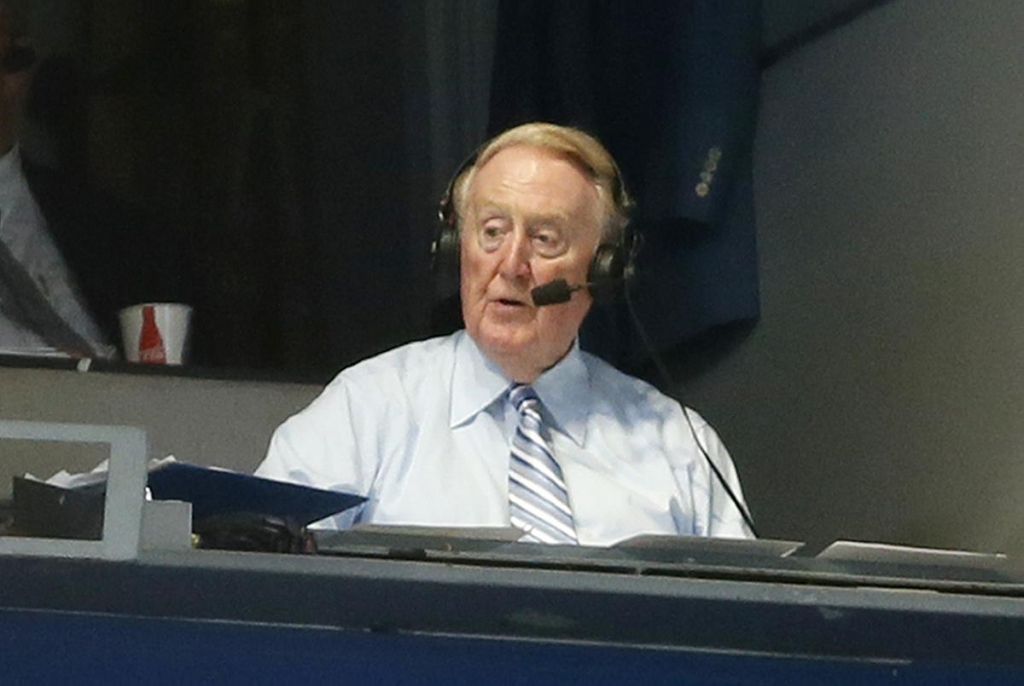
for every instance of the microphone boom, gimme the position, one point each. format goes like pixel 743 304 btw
pixel 553 293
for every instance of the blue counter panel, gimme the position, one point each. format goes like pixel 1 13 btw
pixel 48 647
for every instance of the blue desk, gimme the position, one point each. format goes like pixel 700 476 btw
pixel 413 616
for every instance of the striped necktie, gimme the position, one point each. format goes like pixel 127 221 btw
pixel 538 500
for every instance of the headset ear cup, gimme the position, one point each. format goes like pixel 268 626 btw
pixel 444 261
pixel 445 248
pixel 613 268
pixel 607 270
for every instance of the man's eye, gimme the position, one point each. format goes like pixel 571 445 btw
pixel 548 244
pixel 491 236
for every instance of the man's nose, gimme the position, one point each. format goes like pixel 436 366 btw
pixel 516 260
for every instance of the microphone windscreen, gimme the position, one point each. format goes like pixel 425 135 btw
pixel 553 293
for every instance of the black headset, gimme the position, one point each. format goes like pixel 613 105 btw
pixel 610 271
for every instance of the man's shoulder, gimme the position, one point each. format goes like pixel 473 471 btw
pixel 602 374
pixel 407 364
pixel 625 391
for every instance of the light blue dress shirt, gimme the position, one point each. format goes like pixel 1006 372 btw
pixel 424 432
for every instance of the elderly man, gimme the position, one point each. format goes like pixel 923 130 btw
pixel 509 422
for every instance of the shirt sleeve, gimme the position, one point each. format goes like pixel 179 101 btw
pixel 328 445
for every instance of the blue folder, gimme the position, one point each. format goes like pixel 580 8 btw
pixel 217 491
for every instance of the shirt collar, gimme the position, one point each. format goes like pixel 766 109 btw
pixel 565 392
pixel 476 381
pixel 564 389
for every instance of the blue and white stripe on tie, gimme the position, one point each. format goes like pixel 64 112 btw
pixel 538 499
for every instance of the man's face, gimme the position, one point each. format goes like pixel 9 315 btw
pixel 531 217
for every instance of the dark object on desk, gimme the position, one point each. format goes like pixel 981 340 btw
pixel 47 511
pixel 6 517
pixel 250 532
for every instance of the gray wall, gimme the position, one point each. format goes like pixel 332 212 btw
pixel 882 395
pixel 221 423
pixel 782 19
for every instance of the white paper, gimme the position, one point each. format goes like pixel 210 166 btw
pixel 859 551
pixel 98 475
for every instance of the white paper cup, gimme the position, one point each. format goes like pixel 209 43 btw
pixel 156 333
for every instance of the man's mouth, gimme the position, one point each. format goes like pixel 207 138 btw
pixel 511 302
